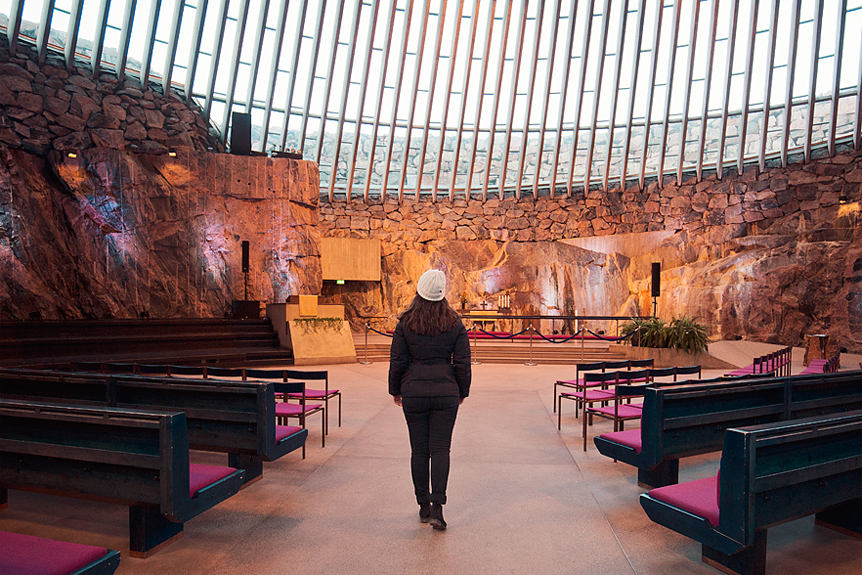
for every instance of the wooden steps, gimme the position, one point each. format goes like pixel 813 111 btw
pixel 224 342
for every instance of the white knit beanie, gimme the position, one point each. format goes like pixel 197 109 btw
pixel 431 285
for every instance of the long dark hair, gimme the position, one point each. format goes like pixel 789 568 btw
pixel 429 317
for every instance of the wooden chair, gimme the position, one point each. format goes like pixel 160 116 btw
pixel 619 412
pixel 324 394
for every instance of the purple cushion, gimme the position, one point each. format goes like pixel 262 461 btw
pixel 697 497
pixel 591 394
pixel 282 431
pixel 624 411
pixel 629 438
pixel 29 555
pixel 293 409
pixel 313 393
pixel 201 476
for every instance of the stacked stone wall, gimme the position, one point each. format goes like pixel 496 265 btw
pixel 44 108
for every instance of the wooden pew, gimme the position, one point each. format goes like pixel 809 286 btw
pixel 135 458
pixel 769 474
pixel 681 421
pixel 29 554
pixel 237 418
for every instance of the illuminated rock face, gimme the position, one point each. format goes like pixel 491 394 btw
pixel 109 234
pixel 770 257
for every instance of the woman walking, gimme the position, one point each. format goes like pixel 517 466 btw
pixel 429 377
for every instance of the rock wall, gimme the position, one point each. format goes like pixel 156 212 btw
pixel 769 256
pixel 109 234
pixel 44 108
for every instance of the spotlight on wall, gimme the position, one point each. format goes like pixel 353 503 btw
pixel 144 314
pixel 842 200
pixel 172 153
pixel 72 155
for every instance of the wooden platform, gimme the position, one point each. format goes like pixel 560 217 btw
pixel 504 351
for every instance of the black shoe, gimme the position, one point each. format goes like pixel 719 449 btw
pixel 437 521
pixel 424 512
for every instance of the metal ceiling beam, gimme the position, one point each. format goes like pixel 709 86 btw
pixel 597 93
pixel 13 25
pixel 555 28
pixel 857 122
pixel 278 46
pixel 412 99
pixel 522 153
pixel 836 75
pixel 99 41
pixel 441 20
pixel 464 93
pixel 638 48
pixel 399 77
pixel 504 166
pixel 150 39
pixel 221 19
pixel 746 91
pixel 327 90
pixel 43 31
pixel 677 13
pixel 468 189
pixel 579 95
pixel 72 33
pixel 767 89
pixel 567 55
pixel 342 107
pixel 171 52
pixel 241 22
pixel 707 80
pixel 363 91
pixel 728 77
pixel 791 71
pixel 689 72
pixel 125 37
pixel 259 32
pixel 453 57
pixel 498 87
pixel 650 88
pixel 315 52
pixel 381 86
pixel 197 35
pixel 618 64
pixel 291 87
pixel 812 77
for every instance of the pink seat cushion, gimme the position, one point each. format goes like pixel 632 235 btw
pixel 201 476
pixel 282 431
pixel 629 438
pixel 313 393
pixel 591 394
pixel 293 409
pixel 624 411
pixel 29 555
pixel 697 497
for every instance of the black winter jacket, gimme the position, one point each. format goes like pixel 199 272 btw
pixel 430 365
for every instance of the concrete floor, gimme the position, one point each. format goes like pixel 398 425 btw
pixel 523 498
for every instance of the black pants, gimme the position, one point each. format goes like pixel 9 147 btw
pixel 430 421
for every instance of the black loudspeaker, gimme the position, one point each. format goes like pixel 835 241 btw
pixel 245 309
pixel 245 257
pixel 656 279
pixel 240 134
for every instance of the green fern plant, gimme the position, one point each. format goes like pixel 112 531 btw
pixel 650 332
pixel 686 334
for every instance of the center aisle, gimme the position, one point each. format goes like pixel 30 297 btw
pixel 517 502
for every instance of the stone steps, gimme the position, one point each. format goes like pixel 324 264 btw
pixel 509 353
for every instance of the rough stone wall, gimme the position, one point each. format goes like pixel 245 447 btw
pixel 49 108
pixel 770 256
pixel 109 234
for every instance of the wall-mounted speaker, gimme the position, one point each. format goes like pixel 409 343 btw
pixel 240 134
pixel 244 257
pixel 656 279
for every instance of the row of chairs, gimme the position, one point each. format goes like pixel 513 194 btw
pixel 597 366
pixel 284 408
pixel 777 362
pixel 824 365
